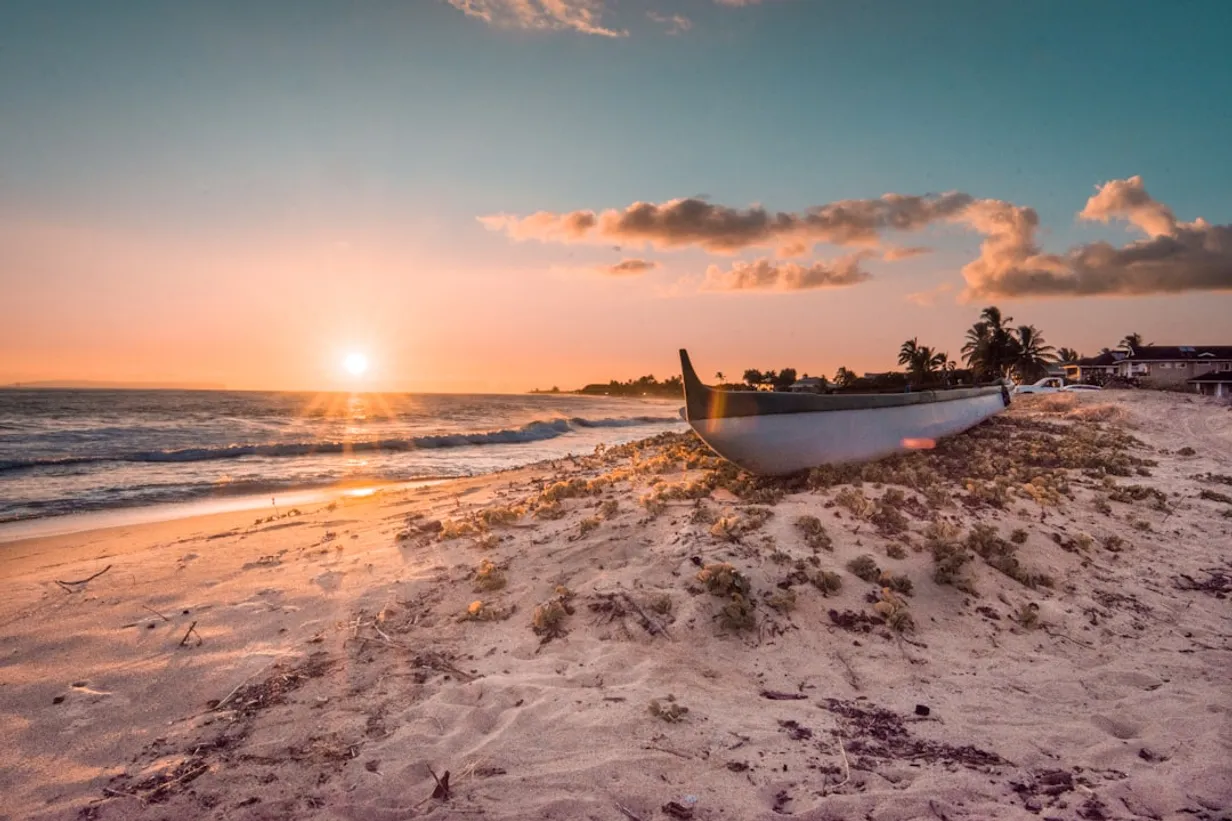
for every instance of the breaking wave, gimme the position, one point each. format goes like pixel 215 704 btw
pixel 536 431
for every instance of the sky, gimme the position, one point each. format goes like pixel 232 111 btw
pixel 495 195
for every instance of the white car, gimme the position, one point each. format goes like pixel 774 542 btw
pixel 1052 384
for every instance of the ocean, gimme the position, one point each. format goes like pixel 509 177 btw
pixel 76 451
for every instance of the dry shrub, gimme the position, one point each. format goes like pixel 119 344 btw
pixel 722 579
pixel 937 497
pixel 1000 554
pixel 899 584
pixel 827 582
pixel 671 712
pixel 1105 412
pixel 888 520
pixel 488 577
pixel 814 533
pixel 501 516
pixel 894 610
pixel 738 613
pixel 549 511
pixel 487 541
pixel 569 489
pixel 609 508
pixel 1054 403
pixel 457 528
pixel 950 557
pixel 860 506
pixel 896 551
pixel 548 618
pixel 865 567
pixel 696 489
pixel 783 601
pixel 734 526
pixel 653 503
pixel 481 611
pixel 590 524
pixel 1128 494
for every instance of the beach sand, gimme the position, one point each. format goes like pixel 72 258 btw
pixel 658 640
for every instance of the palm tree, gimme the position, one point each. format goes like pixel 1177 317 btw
pixel 975 349
pixel 719 377
pixel 1133 340
pixel 921 360
pixel 908 352
pixel 753 377
pixel 991 347
pixel 843 377
pixel 1034 355
pixel 1068 356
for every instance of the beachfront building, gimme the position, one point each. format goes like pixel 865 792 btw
pixel 1216 383
pixel 808 384
pixel 1094 367
pixel 1172 366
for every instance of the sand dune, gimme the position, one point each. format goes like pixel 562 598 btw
pixel 655 637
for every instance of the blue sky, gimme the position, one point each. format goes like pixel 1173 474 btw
pixel 227 124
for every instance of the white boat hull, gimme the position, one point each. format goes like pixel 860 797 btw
pixel 781 443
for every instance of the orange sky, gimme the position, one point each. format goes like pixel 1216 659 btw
pixel 244 194
pixel 281 312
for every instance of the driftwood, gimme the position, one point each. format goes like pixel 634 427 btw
pixel 69 585
pixel 192 628
pixel 776 695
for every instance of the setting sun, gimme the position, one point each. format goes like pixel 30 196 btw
pixel 355 364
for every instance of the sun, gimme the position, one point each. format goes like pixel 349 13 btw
pixel 356 364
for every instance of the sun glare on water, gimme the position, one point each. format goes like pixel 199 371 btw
pixel 355 364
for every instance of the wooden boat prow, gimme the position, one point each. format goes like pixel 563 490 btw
pixel 781 433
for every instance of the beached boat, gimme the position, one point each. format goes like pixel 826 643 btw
pixel 780 433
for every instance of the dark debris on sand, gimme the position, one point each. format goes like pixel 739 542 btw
pixel 879 734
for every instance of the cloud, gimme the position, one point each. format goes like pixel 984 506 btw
pixel 692 221
pixel 676 23
pixel 629 267
pixel 1176 257
pixel 928 298
pixel 553 15
pixel 1128 198
pixel 894 253
pixel 766 275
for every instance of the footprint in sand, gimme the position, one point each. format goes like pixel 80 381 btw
pixel 1122 728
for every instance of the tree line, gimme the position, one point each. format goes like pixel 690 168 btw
pixel 994 348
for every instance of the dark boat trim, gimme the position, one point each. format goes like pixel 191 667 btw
pixel 702 402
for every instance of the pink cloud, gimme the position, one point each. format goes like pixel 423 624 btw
pixel 676 23
pixel 629 267
pixel 1176 257
pixel 582 16
pixel 766 275
pixel 691 221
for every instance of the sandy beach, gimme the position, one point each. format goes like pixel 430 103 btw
pixel 1029 621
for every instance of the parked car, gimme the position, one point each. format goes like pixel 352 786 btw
pixel 1052 384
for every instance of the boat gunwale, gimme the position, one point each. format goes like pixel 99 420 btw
pixel 704 402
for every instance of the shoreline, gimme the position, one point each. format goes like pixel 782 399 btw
pixel 70 523
pixel 1053 642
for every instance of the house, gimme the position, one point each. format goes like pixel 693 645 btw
pixel 1095 367
pixel 809 384
pixel 1172 366
pixel 1214 383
